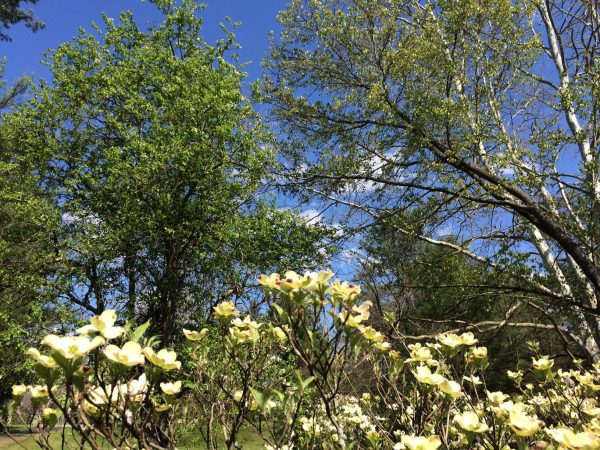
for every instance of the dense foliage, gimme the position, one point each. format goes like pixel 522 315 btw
pixel 453 143
pixel 468 125
pixel 422 396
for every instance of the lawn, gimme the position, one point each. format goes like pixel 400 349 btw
pixel 248 440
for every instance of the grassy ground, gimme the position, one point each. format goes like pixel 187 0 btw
pixel 248 440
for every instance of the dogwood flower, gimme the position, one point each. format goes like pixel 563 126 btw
pixel 543 363
pixel 419 353
pixel 468 339
pixel 383 346
pixel 496 397
pixel 70 347
pixel 575 441
pixel 46 361
pixel 38 391
pixel 103 324
pixel 165 359
pixel 315 282
pixel 135 389
pixel 130 355
pixel 451 388
pixel 225 309
pixel 195 335
pixel 19 390
pixel 372 334
pixel 479 352
pixel 423 375
pixel 279 334
pixel 345 291
pixel 271 281
pixel 171 388
pixel 361 314
pixel 522 423
pixel 450 340
pixel 421 442
pixel 469 421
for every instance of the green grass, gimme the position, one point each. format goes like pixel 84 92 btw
pixel 248 440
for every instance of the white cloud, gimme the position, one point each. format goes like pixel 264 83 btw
pixel 311 216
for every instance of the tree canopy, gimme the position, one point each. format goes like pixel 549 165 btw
pixel 154 159
pixel 478 117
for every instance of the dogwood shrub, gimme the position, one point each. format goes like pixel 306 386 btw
pixel 288 373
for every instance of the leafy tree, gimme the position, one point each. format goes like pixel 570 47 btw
pixel 479 117
pixel 155 159
pixel 26 249
pixel 420 289
pixel 26 257
pixel 12 13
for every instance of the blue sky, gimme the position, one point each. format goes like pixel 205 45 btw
pixel 64 17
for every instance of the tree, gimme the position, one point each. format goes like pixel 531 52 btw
pixel 420 290
pixel 12 13
pixel 147 146
pixel 480 116
pixel 26 248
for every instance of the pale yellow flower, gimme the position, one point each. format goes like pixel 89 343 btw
pixel 279 334
pixel 103 324
pixel 479 352
pixel 372 334
pixel 246 323
pixel 99 395
pixel 315 282
pixel 543 363
pixel 345 291
pixel 383 346
pixel 451 388
pixel 46 361
pixel 242 335
pixel 421 442
pixel 71 347
pixel 496 397
pixel 38 391
pixel 419 353
pixel 271 281
pixel 165 359
pixel 522 423
pixel 130 355
pixel 19 390
pixel 423 375
pixel 290 282
pixel 135 389
pixel 171 388
pixel 473 379
pixel 225 310
pixel 469 421
pixel 468 339
pixel 195 335
pixel 450 340
pixel 575 441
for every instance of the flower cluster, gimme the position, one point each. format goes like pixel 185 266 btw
pixel 100 378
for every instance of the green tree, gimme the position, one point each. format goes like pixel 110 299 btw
pixel 26 247
pixel 481 117
pixel 420 290
pixel 11 13
pixel 155 159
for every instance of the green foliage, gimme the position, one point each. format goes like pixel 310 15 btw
pixel 11 13
pixel 454 115
pixel 146 145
